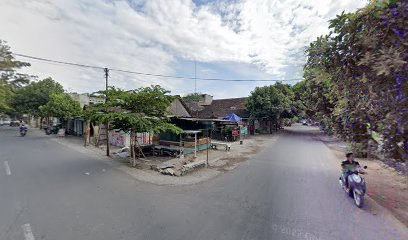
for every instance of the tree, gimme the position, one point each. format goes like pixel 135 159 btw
pixel 61 106
pixel 357 76
pixel 268 102
pixel 139 110
pixel 193 97
pixel 10 80
pixel 28 99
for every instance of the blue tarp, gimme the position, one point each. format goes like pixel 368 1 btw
pixel 232 118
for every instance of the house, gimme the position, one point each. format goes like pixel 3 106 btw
pixel 196 131
pixel 76 126
pixel 218 109
pixel 86 98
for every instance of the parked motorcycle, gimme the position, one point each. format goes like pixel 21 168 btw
pixel 23 131
pixel 53 129
pixel 357 185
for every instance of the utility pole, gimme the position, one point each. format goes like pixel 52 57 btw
pixel 106 100
pixel 208 144
pixel 195 77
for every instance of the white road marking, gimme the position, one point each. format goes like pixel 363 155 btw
pixel 28 233
pixel 7 167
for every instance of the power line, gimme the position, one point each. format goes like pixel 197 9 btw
pixel 157 75
pixel 55 61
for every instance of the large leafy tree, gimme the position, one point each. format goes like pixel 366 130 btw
pixel 270 102
pixel 139 110
pixel 193 97
pixel 10 79
pixel 61 106
pixel 357 76
pixel 28 99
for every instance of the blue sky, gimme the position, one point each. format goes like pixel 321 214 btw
pixel 233 39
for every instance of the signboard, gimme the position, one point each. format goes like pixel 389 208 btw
pixel 118 139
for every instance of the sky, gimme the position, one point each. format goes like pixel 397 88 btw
pixel 228 39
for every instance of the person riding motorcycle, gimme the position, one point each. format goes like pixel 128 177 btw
pixel 22 126
pixel 348 167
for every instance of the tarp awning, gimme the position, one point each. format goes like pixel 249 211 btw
pixel 232 118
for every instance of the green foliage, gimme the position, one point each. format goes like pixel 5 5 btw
pixel 61 106
pixel 193 97
pixel 10 80
pixel 358 75
pixel 270 101
pixel 28 99
pixel 139 110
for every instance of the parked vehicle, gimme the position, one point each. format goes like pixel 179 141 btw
pixel 357 185
pixel 5 123
pixel 304 123
pixel 15 123
pixel 53 129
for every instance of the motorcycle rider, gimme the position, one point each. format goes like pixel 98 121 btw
pixel 22 126
pixel 348 166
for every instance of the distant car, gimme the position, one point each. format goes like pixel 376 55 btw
pixel 304 123
pixel 6 123
pixel 14 123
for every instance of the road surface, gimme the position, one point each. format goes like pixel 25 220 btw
pixel 288 191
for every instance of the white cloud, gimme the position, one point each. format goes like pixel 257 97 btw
pixel 150 36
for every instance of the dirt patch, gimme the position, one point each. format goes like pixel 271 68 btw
pixel 386 184
pixel 242 153
pixel 219 161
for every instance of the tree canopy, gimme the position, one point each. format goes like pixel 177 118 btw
pixel 270 101
pixel 28 99
pixel 140 110
pixel 356 77
pixel 193 97
pixel 10 79
pixel 61 106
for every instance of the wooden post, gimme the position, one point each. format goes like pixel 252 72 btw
pixel 195 145
pixel 107 139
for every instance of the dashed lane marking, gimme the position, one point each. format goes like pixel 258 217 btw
pixel 28 233
pixel 7 167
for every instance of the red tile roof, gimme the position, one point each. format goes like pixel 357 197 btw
pixel 221 108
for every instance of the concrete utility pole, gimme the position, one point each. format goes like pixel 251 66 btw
pixel 208 144
pixel 195 78
pixel 106 100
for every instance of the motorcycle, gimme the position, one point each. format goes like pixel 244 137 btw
pixel 23 131
pixel 53 129
pixel 357 185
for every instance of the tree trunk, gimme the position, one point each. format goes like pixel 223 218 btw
pixel 87 134
pixel 132 147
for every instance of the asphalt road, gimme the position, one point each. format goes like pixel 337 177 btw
pixel 288 191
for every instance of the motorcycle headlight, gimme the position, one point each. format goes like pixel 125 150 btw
pixel 356 178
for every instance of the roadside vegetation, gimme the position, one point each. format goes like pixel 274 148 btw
pixel 356 79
